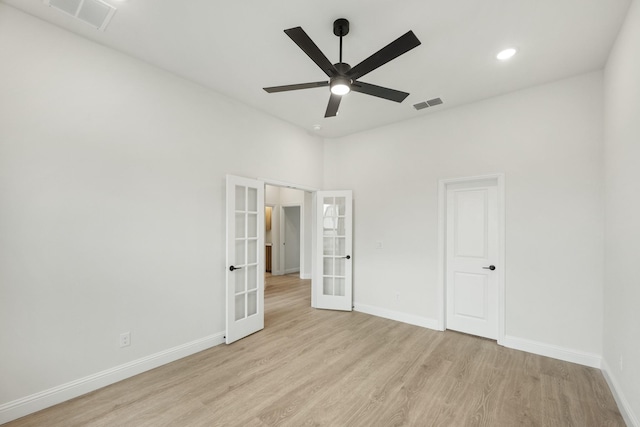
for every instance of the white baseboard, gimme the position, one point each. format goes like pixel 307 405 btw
pixel 543 349
pixel 44 399
pixel 411 319
pixel 623 404
pixel 292 270
pixel 305 276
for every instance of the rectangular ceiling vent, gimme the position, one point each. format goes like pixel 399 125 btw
pixel 93 12
pixel 430 103
pixel 420 105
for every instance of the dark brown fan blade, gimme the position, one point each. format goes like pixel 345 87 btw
pixel 334 103
pixel 305 43
pixel 391 51
pixel 379 91
pixel 295 87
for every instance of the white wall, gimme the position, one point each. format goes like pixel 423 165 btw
pixel 112 203
pixel 548 142
pixel 622 171
pixel 292 234
pixel 291 196
pixel 271 195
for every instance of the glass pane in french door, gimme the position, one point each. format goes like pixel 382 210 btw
pixel 333 252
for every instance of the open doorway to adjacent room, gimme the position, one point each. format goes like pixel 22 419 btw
pixel 325 247
pixel 288 228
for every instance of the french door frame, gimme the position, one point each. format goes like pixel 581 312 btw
pixel 443 184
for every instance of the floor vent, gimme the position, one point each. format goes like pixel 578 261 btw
pixel 430 103
pixel 93 12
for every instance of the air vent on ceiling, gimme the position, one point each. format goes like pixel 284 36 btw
pixel 93 12
pixel 430 103
pixel 420 105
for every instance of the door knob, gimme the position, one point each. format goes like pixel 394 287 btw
pixel 491 267
pixel 234 268
pixel 348 257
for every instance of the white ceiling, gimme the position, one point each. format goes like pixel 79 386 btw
pixel 239 47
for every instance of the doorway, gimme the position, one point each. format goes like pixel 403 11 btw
pixel 268 238
pixel 329 257
pixel 289 238
pixel 472 255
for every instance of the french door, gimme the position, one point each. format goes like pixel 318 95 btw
pixel 245 257
pixel 333 266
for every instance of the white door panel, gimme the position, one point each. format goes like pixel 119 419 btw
pixel 471 250
pixel 245 257
pixel 333 275
pixel 470 295
pixel 470 225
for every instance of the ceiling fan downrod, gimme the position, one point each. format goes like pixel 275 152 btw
pixel 341 29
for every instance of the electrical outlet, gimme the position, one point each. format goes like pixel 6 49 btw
pixel 397 296
pixel 379 244
pixel 125 339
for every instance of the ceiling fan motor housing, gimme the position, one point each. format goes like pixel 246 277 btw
pixel 342 67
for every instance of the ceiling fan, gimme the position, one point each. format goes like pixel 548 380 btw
pixel 342 77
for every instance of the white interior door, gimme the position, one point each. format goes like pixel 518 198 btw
pixel 333 267
pixel 471 259
pixel 245 257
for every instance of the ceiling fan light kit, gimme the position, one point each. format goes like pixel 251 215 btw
pixel 340 85
pixel 342 77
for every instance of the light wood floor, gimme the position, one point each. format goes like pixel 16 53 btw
pixel 312 367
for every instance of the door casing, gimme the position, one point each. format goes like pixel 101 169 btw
pixel 443 184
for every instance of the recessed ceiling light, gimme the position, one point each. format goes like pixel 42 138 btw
pixel 506 54
pixel 317 127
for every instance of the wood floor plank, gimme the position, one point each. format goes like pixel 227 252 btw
pixel 324 368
